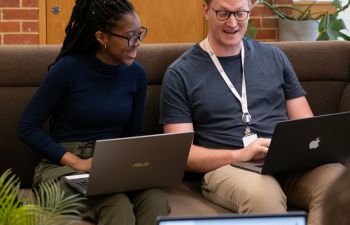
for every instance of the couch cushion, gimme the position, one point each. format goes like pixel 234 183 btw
pixel 345 99
pixel 321 101
pixel 327 60
pixel 324 71
pixel 14 153
pixel 25 65
pixel 186 199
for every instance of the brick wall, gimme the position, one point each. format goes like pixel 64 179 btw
pixel 266 22
pixel 19 21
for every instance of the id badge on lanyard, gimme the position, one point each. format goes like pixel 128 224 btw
pixel 248 136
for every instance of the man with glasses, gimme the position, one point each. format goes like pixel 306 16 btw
pixel 232 91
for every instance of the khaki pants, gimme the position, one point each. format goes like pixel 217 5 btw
pixel 129 208
pixel 247 192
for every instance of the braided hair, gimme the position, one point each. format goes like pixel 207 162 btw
pixel 89 16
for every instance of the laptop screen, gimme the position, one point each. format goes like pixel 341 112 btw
pixel 276 219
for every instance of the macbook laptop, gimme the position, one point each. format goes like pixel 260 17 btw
pixel 133 163
pixel 291 218
pixel 305 143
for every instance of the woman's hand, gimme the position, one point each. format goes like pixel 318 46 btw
pixel 83 165
pixel 76 163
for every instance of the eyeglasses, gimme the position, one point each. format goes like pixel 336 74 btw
pixel 134 39
pixel 223 15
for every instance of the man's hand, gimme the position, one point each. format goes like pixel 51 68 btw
pixel 256 150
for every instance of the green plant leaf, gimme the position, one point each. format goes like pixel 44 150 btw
pixel 338 24
pixel 49 206
pixel 330 26
pixel 322 37
pixel 251 30
pixel 344 36
pixel 58 208
pixel 12 212
pixel 337 4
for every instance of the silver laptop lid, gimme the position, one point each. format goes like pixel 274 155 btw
pixel 140 162
pixel 294 218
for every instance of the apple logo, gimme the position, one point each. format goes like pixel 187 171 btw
pixel 314 144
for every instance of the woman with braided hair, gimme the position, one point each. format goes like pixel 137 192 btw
pixel 93 90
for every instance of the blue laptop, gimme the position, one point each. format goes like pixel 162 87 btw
pixel 290 218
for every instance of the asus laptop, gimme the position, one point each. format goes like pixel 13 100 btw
pixel 305 143
pixel 291 218
pixel 133 163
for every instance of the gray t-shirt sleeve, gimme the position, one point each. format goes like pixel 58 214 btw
pixel 292 87
pixel 174 101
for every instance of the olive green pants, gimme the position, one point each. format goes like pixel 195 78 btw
pixel 129 208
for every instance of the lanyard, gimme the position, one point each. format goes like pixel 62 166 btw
pixel 246 118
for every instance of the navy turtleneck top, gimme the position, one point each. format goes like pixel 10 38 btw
pixel 87 100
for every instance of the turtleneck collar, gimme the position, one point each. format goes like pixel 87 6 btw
pixel 103 69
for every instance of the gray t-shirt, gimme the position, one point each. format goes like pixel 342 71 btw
pixel 194 92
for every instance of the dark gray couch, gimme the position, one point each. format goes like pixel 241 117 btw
pixel 322 67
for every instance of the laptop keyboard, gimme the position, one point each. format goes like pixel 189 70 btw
pixel 83 184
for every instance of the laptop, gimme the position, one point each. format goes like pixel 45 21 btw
pixel 133 163
pixel 304 144
pixel 291 218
